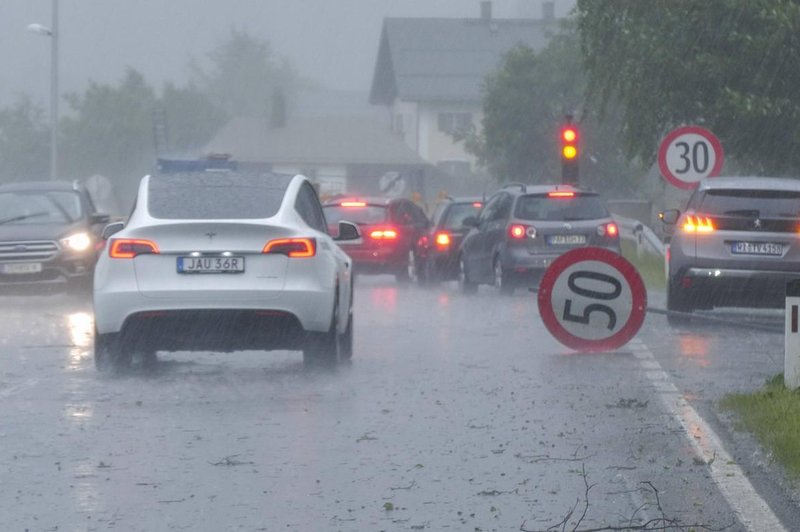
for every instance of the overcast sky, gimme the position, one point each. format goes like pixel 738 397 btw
pixel 332 41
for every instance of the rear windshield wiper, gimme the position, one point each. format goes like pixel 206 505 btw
pixel 22 217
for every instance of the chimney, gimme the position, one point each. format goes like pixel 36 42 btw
pixel 486 11
pixel 548 11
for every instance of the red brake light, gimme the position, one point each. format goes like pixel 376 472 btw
pixel 383 234
pixel 442 240
pixel 698 224
pixel 292 247
pixel 517 231
pixel 128 248
pixel 477 204
pixel 561 194
pixel 612 229
pixel 353 204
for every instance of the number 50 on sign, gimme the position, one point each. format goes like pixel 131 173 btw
pixel 591 299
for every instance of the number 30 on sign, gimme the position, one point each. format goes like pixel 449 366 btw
pixel 591 299
pixel 689 154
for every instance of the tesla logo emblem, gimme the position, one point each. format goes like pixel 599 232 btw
pixel 567 226
pixel 757 223
pixel 211 235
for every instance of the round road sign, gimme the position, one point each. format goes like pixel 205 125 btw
pixel 689 154
pixel 591 299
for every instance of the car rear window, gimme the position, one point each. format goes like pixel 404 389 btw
pixel 757 203
pixel 560 209
pixel 367 214
pixel 454 219
pixel 216 195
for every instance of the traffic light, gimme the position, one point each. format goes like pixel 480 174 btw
pixel 569 152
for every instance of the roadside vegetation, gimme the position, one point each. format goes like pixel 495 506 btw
pixel 772 414
pixel 650 266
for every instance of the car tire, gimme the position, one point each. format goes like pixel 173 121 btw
pixel 431 272
pixel 324 348
pixel 109 355
pixel 502 282
pixel 678 305
pixel 466 285
pixel 346 343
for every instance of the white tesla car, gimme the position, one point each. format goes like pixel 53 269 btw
pixel 223 261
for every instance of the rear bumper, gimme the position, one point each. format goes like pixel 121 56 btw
pixel 217 330
pixel 377 259
pixel 311 308
pixel 731 287
pixel 526 267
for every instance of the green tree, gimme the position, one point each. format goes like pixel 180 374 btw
pixel 731 65
pixel 111 132
pixel 242 74
pixel 524 103
pixel 191 118
pixel 24 142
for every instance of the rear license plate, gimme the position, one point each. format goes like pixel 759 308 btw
pixel 210 264
pixel 566 240
pixel 22 267
pixel 757 248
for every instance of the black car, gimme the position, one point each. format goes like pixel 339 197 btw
pixel 437 249
pixel 49 234
pixel 522 229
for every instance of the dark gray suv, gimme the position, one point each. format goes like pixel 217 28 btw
pixel 735 244
pixel 522 229
pixel 49 234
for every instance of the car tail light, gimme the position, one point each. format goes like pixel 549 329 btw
pixel 517 231
pixel 610 230
pixel 292 247
pixel 477 204
pixel 353 204
pixel 442 240
pixel 561 194
pixel 697 224
pixel 383 234
pixel 128 248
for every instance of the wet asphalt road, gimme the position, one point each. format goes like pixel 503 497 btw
pixel 457 413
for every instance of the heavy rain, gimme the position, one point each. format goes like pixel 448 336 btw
pixel 366 265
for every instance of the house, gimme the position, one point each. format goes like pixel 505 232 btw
pixel 334 138
pixel 429 73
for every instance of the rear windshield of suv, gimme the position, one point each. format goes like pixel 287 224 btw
pixel 216 195
pixel 560 209
pixel 368 214
pixel 458 212
pixel 755 203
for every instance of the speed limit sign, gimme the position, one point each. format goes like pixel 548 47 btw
pixel 591 299
pixel 688 154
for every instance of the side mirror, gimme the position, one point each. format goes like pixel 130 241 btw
pixel 670 217
pixel 98 218
pixel 348 231
pixel 470 221
pixel 112 229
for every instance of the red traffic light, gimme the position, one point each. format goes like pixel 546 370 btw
pixel 569 134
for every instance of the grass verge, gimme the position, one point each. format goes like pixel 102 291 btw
pixel 650 266
pixel 772 414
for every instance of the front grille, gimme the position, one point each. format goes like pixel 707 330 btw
pixel 31 250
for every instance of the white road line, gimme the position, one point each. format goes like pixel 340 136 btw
pixel 751 510
pixel 24 385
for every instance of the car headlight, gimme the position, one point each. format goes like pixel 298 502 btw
pixel 77 242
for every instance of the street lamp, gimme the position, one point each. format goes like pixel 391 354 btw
pixel 52 32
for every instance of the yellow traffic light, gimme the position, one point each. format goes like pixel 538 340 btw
pixel 569 152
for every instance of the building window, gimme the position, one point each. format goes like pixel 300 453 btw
pixel 452 123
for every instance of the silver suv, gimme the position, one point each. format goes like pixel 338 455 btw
pixel 736 244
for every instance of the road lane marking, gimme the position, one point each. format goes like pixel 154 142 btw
pixel 751 510
pixel 16 388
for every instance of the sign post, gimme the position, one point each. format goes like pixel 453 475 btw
pixel 791 355
pixel 689 154
pixel 592 299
